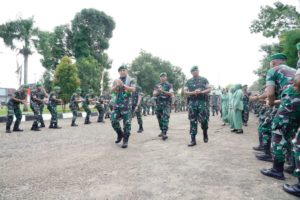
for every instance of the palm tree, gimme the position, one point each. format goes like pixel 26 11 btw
pixel 22 32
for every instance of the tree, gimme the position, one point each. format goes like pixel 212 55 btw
pixel 146 69
pixel 66 76
pixel 273 21
pixel 54 45
pixel 91 31
pixel 288 41
pixel 89 71
pixel 21 30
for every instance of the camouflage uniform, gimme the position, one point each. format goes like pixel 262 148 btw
pixel 245 112
pixel 198 105
pixel 215 104
pixel 85 106
pixel 122 110
pixel 35 106
pixel 13 108
pixel 163 107
pixel 74 107
pixel 153 105
pixel 138 113
pixel 52 107
pixel 100 108
pixel 41 95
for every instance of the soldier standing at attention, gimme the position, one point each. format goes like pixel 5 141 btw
pixel 85 105
pixel 136 107
pixel 13 108
pixel 52 107
pixel 245 112
pixel 164 93
pixel 122 89
pixel 197 90
pixel 75 100
pixel 35 105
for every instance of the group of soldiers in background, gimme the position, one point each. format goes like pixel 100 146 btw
pixel 278 109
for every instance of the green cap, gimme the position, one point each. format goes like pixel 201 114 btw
pixel 25 86
pixel 56 88
pixel 78 90
pixel 38 84
pixel 163 74
pixel 91 91
pixel 194 68
pixel 278 56
pixel 298 46
pixel 122 67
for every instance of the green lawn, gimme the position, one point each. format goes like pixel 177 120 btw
pixel 3 110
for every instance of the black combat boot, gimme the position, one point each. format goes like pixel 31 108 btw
pixel 205 136
pixel 16 127
pixel 164 135
pixel 51 125
pixel 35 127
pixel 260 147
pixel 8 129
pixel 234 130
pixel 193 141
pixel 293 189
pixel 87 120
pixel 42 124
pixel 120 136
pixel 125 140
pixel 73 123
pixel 266 156
pixel 275 172
pixel 141 129
pixel 55 126
pixel 240 131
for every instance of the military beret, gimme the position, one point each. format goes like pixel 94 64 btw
pixel 279 56
pixel 122 67
pixel 91 91
pixel 78 90
pixel 56 88
pixel 163 74
pixel 298 46
pixel 194 68
pixel 38 84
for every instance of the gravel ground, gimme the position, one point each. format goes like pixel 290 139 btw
pixel 85 163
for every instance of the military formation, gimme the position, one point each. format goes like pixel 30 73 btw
pixel 277 109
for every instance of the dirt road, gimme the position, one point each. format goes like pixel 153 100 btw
pixel 85 163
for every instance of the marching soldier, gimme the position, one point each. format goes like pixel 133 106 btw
pixel 89 98
pixel 74 105
pixel 52 106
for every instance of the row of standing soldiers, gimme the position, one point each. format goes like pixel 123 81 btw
pixel 278 109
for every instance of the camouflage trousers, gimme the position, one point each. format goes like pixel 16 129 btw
pixel 266 126
pixel 74 110
pixel 138 114
pixel 285 125
pixel 88 112
pixel 13 110
pixel 163 116
pixel 53 111
pixel 36 109
pixel 41 112
pixel 215 109
pixel 121 114
pixel 296 152
pixel 245 114
pixel 101 111
pixel 198 113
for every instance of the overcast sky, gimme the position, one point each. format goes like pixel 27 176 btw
pixel 212 34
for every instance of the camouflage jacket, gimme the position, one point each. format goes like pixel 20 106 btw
pixel 73 101
pixel 194 84
pixel 19 94
pixel 123 98
pixel 53 96
pixel 163 99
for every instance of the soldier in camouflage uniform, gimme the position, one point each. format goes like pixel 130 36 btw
pixel 74 105
pixel 153 105
pixel 245 113
pixel 164 93
pixel 122 89
pixel 197 89
pixel 13 108
pixel 278 78
pixel 52 106
pixel 100 108
pixel 35 105
pixel 215 99
pixel 89 98
pixel 42 94
pixel 136 107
